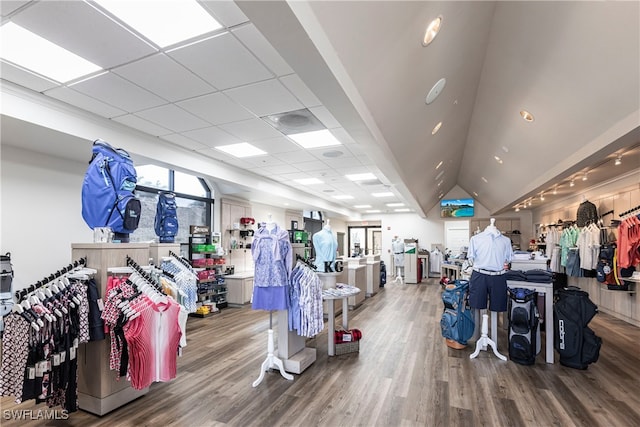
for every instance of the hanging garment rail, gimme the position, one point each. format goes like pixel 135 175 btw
pixel 182 260
pixel 20 295
pixel 131 263
pixel 630 211
pixel 306 262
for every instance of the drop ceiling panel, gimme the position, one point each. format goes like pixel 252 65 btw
pixel 297 87
pixel 169 79
pixel 296 155
pixel 212 136
pixel 24 78
pixel 222 61
pixel 315 165
pixel 280 146
pixel 84 31
pixel 85 102
pixel 116 91
pixel 9 6
pixel 174 118
pixel 216 108
pixel 142 125
pixel 251 37
pixel 251 130
pixel 276 170
pixel 264 161
pixel 264 98
pixel 226 12
pixel 183 141
pixel 326 118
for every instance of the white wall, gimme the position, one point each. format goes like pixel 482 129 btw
pixel 41 213
pixel 261 212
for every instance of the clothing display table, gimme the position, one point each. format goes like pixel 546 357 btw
pixel 447 269
pixel 332 317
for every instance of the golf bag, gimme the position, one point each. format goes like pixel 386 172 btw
pixel 524 326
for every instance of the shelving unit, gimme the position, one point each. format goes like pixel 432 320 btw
pixel 208 265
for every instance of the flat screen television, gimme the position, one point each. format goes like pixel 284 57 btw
pixel 456 208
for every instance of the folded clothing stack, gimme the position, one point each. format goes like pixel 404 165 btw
pixel 539 275
pixel 515 275
pixel 351 335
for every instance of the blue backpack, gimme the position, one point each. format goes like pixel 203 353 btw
pixel 107 190
pixel 166 222
pixel 457 321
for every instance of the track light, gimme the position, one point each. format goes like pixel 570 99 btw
pixel 542 196
pixel 555 190
pixel 618 161
pixel 585 177
pixel 517 208
pixel 572 183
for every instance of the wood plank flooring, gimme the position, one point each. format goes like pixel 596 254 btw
pixel 404 375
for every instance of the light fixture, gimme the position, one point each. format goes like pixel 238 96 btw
pixel 360 176
pixel 435 91
pixel 436 128
pixel 315 139
pixel 441 182
pixel 526 115
pixel 373 211
pixel 243 149
pixel 618 161
pixel 529 204
pixel 395 205
pixel 498 159
pixel 585 177
pixel 383 194
pixel 439 164
pixel 167 22
pixel 542 196
pixel 572 183
pixel 484 179
pixel 37 54
pixel 517 208
pixel 308 181
pixel 362 206
pixel 432 31
pixel 343 197
pixel 475 194
pixel 555 190
pixel 402 210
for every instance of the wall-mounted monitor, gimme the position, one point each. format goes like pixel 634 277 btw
pixel 456 208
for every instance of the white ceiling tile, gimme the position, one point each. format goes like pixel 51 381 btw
pixel 184 142
pixel 302 92
pixel 225 11
pixel 327 119
pixel 276 170
pixel 116 91
pixel 222 61
pixel 291 176
pixel 216 108
pixel 264 161
pixel 142 125
pixel 85 102
pixel 174 118
pixel 268 97
pixel 342 135
pixel 319 153
pixel 212 136
pixel 258 44
pixel 169 79
pixel 281 146
pixel 25 78
pixel 226 158
pixel 296 155
pixel 345 162
pixel 250 130
pixel 315 165
pixel 8 6
pixel 84 31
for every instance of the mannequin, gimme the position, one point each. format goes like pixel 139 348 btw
pixel 325 245
pixel 397 246
pixel 490 253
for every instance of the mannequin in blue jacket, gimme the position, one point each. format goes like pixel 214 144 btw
pixel 325 244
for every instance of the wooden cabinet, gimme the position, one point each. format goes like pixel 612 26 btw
pixel 240 288
pixel 507 226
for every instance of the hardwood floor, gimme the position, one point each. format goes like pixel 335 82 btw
pixel 404 375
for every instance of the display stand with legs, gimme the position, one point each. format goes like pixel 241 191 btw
pixel 398 275
pixel 272 361
pixel 485 341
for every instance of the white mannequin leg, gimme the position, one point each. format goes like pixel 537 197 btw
pixel 398 275
pixel 272 361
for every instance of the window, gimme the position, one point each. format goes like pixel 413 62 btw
pixel 193 197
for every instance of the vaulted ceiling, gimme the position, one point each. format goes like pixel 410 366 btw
pixel 361 69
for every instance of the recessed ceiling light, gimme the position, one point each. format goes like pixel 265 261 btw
pixel 402 210
pixel 332 154
pixel 436 90
pixel 436 128
pixel 475 194
pixel 432 31
pixel 498 159
pixel 440 183
pixel 315 139
pixel 243 149
pixel 37 54
pixel 343 197
pixel 167 22
pixel 362 206
pixel 309 181
pixel 440 196
pixel 395 205
pixel 484 179
pixel 618 161
pixel 360 176
pixel 373 211
pixel 440 174
pixel 526 115
pixel 383 194
pixel 505 149
pixel 439 164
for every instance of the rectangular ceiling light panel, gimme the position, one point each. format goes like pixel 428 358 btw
pixel 243 149
pixel 37 54
pixel 343 197
pixel 383 194
pixel 315 139
pixel 163 22
pixel 361 176
pixel 308 181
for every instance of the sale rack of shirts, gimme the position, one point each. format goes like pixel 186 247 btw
pixel 42 335
pixel 181 281
pixel 629 238
pixel 305 301
pixel 145 328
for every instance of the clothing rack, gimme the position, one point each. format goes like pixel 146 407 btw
pixel 20 295
pixel 182 260
pixel 306 262
pixel 630 211
pixel 131 263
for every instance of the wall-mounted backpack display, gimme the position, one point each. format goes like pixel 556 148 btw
pixel 107 190
pixel 457 322
pixel 166 222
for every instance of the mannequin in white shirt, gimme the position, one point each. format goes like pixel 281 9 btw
pixel 397 247
pixel 325 245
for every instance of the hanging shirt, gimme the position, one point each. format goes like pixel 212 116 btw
pixel 489 250
pixel 272 258
pixel 325 245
